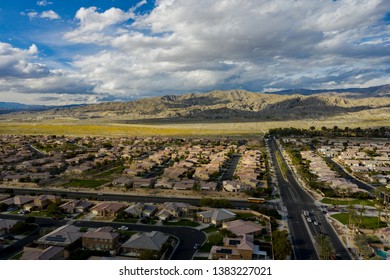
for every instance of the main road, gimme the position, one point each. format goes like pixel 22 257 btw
pixel 296 200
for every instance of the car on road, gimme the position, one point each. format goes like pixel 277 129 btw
pixel 309 220
pixel 315 223
pixel 196 246
pixel 123 228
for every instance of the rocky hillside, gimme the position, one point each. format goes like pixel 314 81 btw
pixel 234 104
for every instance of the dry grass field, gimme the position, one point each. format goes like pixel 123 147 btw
pixel 201 129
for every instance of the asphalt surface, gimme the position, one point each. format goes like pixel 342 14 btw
pixel 295 201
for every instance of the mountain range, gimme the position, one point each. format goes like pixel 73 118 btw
pixel 238 105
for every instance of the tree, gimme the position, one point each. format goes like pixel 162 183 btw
pixel 3 207
pixel 54 210
pixel 281 245
pixel 324 246
pixel 352 215
pixel 147 255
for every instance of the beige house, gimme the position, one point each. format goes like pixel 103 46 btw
pixel 240 227
pixel 108 209
pixel 152 241
pixel 216 216
pixel 101 239
pixel 234 249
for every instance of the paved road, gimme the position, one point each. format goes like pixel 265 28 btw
pixel 295 200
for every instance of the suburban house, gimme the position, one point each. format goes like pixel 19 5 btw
pixel 241 248
pixel 138 210
pixel 122 182
pixel 102 239
pixel 143 183
pixel 108 209
pixel 49 253
pixel 76 206
pixel 240 227
pixel 184 185
pixel 42 201
pixel 17 201
pixel 232 186
pixel 216 216
pixel 62 236
pixel 139 242
pixel 163 184
pixel 2 197
pixel 208 186
pixel 173 209
pixel 6 225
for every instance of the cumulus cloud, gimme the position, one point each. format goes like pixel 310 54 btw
pixel 15 62
pixel 200 45
pixel 187 45
pixel 44 3
pixel 50 14
pixel 92 24
pixel 22 79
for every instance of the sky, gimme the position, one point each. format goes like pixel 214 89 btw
pixel 58 52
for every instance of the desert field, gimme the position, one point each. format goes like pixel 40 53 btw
pixel 185 129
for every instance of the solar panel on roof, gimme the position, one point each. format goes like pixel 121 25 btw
pixel 224 251
pixel 55 238
pixel 234 242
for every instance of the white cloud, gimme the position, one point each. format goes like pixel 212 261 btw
pixel 50 15
pixel 186 45
pixel 21 74
pixel 92 24
pixel 16 63
pixel 44 3
pixel 199 45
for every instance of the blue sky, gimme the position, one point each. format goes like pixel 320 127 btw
pixel 60 52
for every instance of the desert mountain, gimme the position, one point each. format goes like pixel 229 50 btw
pixel 236 104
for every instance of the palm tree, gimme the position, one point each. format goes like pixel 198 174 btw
pixel 352 215
pixel 324 246
pixel 379 208
pixel 361 210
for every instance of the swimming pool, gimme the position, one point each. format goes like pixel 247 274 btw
pixel 381 254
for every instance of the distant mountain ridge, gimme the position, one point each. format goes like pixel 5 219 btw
pixel 233 105
pixel 377 91
pixel 8 107
pixel 238 105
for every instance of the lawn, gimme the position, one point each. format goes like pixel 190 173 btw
pixel 85 183
pixel 183 222
pixel 367 222
pixel 206 248
pixel 115 170
pixel 210 229
pixel 335 201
